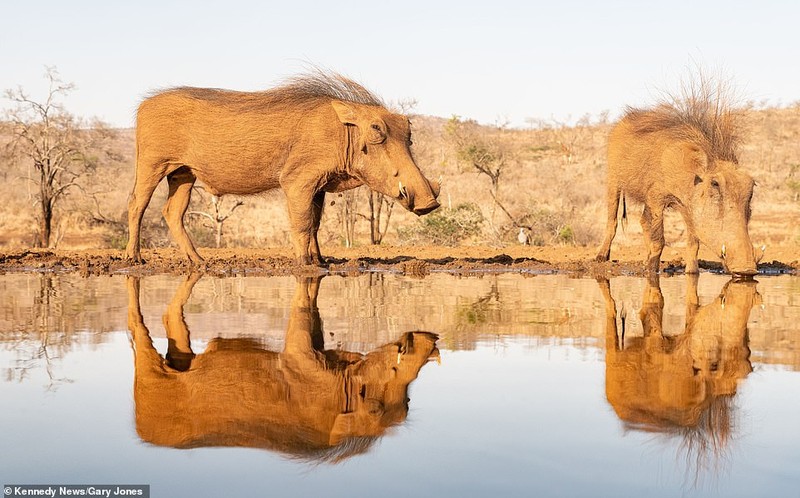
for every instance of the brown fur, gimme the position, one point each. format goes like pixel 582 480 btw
pixel 683 154
pixel 681 384
pixel 318 133
pixel 305 402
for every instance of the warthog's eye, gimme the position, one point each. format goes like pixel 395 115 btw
pixel 377 134
pixel 714 183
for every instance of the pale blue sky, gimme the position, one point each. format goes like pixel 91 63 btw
pixel 485 60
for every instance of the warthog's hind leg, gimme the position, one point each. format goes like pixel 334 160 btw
pixel 611 223
pixel 147 179
pixel 180 192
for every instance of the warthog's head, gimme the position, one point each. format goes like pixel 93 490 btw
pixel 377 386
pixel 718 340
pixel 719 208
pixel 382 157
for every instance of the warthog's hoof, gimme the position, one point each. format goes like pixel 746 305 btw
pixel 135 260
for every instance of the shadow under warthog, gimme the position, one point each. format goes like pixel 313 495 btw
pixel 305 402
pixel 681 384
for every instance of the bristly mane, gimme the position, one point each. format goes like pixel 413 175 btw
pixel 300 92
pixel 702 114
pixel 325 84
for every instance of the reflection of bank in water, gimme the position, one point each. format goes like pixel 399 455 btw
pixel 681 385
pixel 305 402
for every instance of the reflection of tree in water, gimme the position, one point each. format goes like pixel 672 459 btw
pixel 43 340
pixel 472 316
pixel 498 309
pixel 682 386
pixel 45 316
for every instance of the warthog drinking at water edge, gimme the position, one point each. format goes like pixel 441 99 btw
pixel 318 133
pixel 684 157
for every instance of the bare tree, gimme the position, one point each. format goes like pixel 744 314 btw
pixel 484 153
pixel 59 146
pixel 349 216
pixel 216 214
pixel 379 204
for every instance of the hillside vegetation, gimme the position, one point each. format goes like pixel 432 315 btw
pixel 548 180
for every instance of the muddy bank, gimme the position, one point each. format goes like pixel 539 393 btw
pixel 417 261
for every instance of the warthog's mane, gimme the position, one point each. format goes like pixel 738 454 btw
pixel 326 85
pixel 300 92
pixel 710 123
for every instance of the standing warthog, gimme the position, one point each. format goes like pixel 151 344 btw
pixel 684 158
pixel 316 134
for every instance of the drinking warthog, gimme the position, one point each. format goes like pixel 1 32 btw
pixel 306 401
pixel 316 134
pixel 684 158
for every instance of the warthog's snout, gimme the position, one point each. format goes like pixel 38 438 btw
pixel 422 199
pixel 742 266
pixel 420 210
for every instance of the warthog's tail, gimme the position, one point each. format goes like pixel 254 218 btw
pixel 624 213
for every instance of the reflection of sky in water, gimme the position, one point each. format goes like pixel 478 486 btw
pixel 504 414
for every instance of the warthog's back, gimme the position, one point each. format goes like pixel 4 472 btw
pixel 234 142
pixel 640 162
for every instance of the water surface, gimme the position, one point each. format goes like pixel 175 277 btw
pixel 284 386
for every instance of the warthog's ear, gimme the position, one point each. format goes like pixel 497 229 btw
pixel 346 112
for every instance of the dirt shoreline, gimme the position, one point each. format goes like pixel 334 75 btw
pixel 408 260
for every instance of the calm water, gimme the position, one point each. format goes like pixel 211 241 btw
pixel 532 386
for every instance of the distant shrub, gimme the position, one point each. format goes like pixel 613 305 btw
pixel 446 227
pixel 566 235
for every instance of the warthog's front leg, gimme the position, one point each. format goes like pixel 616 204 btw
pixel 692 248
pixel 653 228
pixel 304 226
pixel 317 204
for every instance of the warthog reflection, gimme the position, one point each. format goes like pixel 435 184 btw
pixel 306 402
pixel 681 384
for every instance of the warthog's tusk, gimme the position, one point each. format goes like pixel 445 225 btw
pixel 403 190
pixel 722 302
pixel 722 254
pixel 398 358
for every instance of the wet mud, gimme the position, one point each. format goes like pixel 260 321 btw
pixel 414 261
